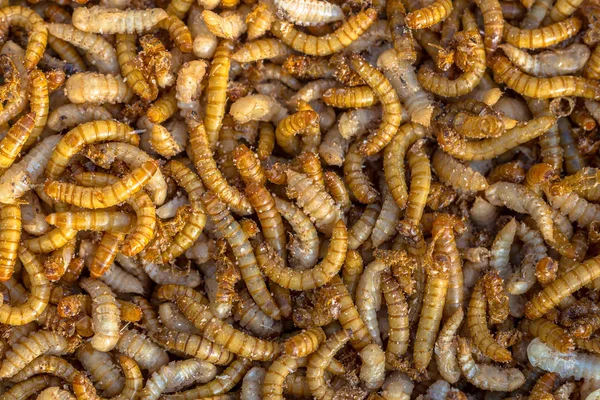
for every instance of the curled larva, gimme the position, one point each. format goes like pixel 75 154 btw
pixel 363 227
pixel 28 19
pixel 143 350
pixel 176 373
pixel 106 318
pixel 368 297
pixel 551 63
pixel 103 370
pixel 372 370
pixel 445 348
pixel 304 246
pixel 30 347
pixel 189 85
pixel 252 318
pixel 12 56
pixel 315 372
pixel 484 376
pixel 227 25
pixel 549 333
pixel 459 176
pixel 103 20
pixel 328 44
pixel 252 384
pixel 316 276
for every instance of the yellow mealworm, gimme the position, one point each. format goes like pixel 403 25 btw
pixel 39 104
pixel 430 15
pixel 477 324
pixel 372 370
pixel 38 34
pixel 314 200
pixel 349 317
pixel 289 127
pixel 493 22
pixel 350 97
pixel 69 116
pixel 259 21
pixel 449 169
pixel 581 275
pixel 420 183
pixel 486 149
pixel 98 19
pixel 330 43
pixel 91 220
pixel 167 143
pixel 101 51
pixel 216 91
pixel 319 360
pixel 223 334
pixel 316 276
pixel 260 49
pixel 445 349
pixel 105 315
pixel 47 365
pixel 13 63
pixel 163 108
pixel 210 174
pixel 352 270
pixel 392 111
pixel 398 335
pixel 126 51
pixel 141 349
pixel 544 88
pixel 30 347
pixel 37 301
pixel 178 31
pixel 549 333
pixel 176 375
pixel 251 318
pixel 363 227
pixel 309 12
pixel 16 137
pixel 565 61
pixel 238 240
pixel 270 218
pixel 106 196
pixel 248 165
pixel 103 370
pixel 356 179
pixel 88 133
pixel 91 87
pixel 179 8
pixel 571 364
pixel 393 168
pixel 485 376
pixel 228 25
pixel 219 385
pixel 304 343
pixel 541 37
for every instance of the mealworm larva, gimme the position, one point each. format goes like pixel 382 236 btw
pixel 349 317
pixel 104 372
pixel 174 374
pixel 565 61
pixel 178 31
pixel 428 16
pixel 167 143
pixel 106 196
pixel 210 174
pixel 266 140
pixel 189 85
pixel 91 220
pixel 252 384
pixel 362 228
pixel 22 176
pixel 39 105
pixel 401 35
pixel 47 365
pixel 223 334
pixel 261 49
pixel 445 348
pixel 477 324
pixel 219 385
pixel 216 91
pixel 29 20
pixel 290 126
pixel 357 181
pixel 357 122
pixel 105 314
pixel 485 376
pixel 102 53
pixel 471 45
pixel 163 108
pixel 330 43
pixel 69 116
pixel 258 107
pixel 238 240
pixel 456 174
pixel 179 8
pixel 567 365
pixel 174 319
pixel 92 87
pixel 393 160
pixel 251 318
pixel 259 21
pixel 13 64
pixel 562 10
pixel 544 88
pixel 269 217
pixel 105 154
pixel 319 360
pixel 385 225
pixel 37 301
pixel 398 334
pixel 29 387
pixel 312 278
pixel 420 183
pixel 103 20
pixel 143 350
pixel 535 15
pixel 549 333
pixel 541 37
pixel 16 138
pixel 372 370
pixel 350 97
pixel 333 147
pixel 228 25
pixel 304 343
pixel 53 240
pixel 392 111
pixel 272 387
pixel 29 347
pixel 309 12
pixel 571 281
pixel 368 297
pixel 456 146
pixel 493 22
pixel 314 200
pixel 192 345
